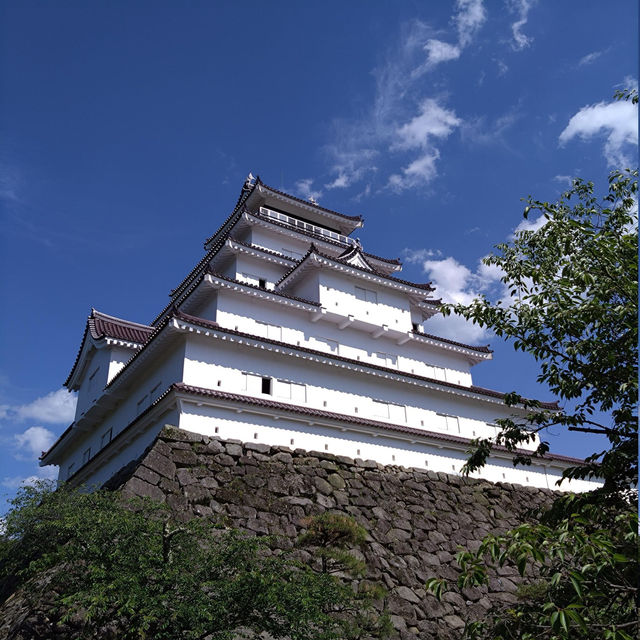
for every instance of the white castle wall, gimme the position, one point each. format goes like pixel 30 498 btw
pixel 217 364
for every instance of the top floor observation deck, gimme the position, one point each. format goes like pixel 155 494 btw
pixel 296 223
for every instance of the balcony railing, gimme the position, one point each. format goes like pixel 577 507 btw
pixel 306 226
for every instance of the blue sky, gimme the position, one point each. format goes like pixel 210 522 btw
pixel 128 128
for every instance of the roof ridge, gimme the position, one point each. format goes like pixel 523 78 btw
pixel 313 249
pixel 108 318
pixel 483 348
pixel 308 202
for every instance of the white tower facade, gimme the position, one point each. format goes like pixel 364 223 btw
pixel 287 333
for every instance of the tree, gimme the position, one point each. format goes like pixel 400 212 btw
pixel 127 569
pixel 572 304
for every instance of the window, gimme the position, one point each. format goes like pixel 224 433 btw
pixel 447 423
pixel 380 409
pixel 143 403
pixel 93 382
pixel 86 455
pixel 270 331
pixel 266 385
pixel 290 390
pixel 262 283
pixel 106 438
pixel 414 326
pixel 366 294
pixel 155 392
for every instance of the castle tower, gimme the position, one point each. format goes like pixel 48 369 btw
pixel 287 333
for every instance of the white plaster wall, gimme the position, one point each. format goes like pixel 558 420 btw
pixel 299 434
pixel 280 242
pixel 118 357
pixel 219 364
pixel 94 380
pixel 144 390
pixel 250 269
pixel 121 455
pixel 237 311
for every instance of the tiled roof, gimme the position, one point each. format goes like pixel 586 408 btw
pixel 208 324
pixel 308 203
pixel 340 417
pixel 483 349
pixel 101 325
pixel 313 250
pixel 279 294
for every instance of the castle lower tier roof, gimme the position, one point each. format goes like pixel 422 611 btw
pixel 102 326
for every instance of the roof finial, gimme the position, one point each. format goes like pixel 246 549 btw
pixel 312 200
pixel 249 182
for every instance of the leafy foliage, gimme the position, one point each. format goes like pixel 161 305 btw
pixel 128 567
pixel 572 304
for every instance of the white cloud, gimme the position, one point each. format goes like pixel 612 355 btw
pixel 437 52
pixel 470 17
pixel 34 441
pixel 616 121
pixel 419 172
pixel 305 188
pixel 531 225
pixel 44 473
pixel 456 283
pixel 391 121
pixel 56 407
pixel 589 58
pixel 432 121
pixel 562 179
pixel 521 8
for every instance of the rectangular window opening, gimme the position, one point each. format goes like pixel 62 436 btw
pixel 106 438
pixel 291 441
pixel 266 385
pixel 262 283
pixel 255 436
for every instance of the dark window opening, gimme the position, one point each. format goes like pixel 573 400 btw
pixel 266 385
pixel 415 326
pixel 262 283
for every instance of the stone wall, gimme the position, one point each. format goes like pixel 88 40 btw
pixel 416 519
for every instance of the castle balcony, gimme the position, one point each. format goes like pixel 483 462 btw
pixel 321 232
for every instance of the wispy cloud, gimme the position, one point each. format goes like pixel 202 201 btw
pixel 469 16
pixel 482 132
pixel 589 58
pixel 521 9
pixel 616 122
pixel 432 122
pixel 305 189
pixel 403 124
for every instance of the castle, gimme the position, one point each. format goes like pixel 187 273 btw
pixel 287 333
